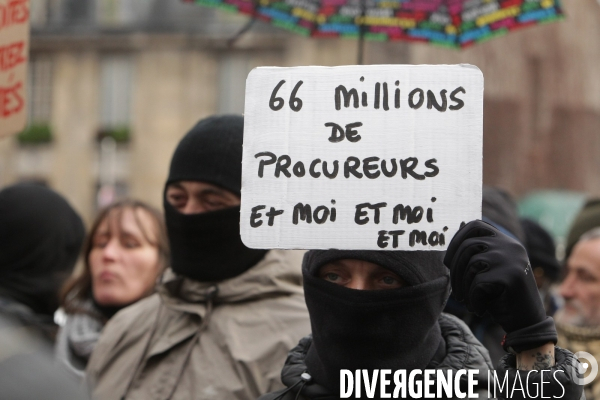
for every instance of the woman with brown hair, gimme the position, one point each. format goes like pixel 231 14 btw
pixel 124 254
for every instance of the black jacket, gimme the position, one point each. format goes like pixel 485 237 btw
pixel 463 351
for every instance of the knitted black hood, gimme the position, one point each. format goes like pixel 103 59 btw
pixel 375 329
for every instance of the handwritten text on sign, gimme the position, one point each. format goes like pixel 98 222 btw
pixel 361 157
pixel 14 47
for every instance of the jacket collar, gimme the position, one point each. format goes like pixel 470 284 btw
pixel 277 274
pixel 462 351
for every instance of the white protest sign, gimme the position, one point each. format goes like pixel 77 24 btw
pixel 14 49
pixel 361 157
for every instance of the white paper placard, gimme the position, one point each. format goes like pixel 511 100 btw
pixel 361 157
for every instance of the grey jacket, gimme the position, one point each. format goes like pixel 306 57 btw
pixel 202 341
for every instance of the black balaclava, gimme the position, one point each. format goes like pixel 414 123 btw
pixel 207 247
pixel 374 329
pixel 40 240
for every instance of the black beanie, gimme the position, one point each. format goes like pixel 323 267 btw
pixel 374 329
pixel 541 249
pixel 211 152
pixel 587 219
pixel 207 247
pixel 40 239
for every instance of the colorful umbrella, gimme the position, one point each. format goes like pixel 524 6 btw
pixel 450 23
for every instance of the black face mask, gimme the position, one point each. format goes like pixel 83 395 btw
pixel 372 329
pixel 207 247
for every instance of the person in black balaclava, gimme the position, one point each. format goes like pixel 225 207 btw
pixel 202 198
pixel 40 239
pixel 349 325
pixel 376 310
pixel 224 323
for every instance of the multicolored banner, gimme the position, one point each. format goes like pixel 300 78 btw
pixel 451 23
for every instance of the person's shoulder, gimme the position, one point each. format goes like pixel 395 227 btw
pixel 137 314
pixel 124 331
pixel 129 324
pixel 277 274
pixel 451 325
pixel 289 258
pixel 285 312
pixel 462 347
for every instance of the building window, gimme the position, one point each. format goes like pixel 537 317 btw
pixel 39 99
pixel 116 85
pixel 33 159
pixel 115 91
pixel 38 13
pixel 123 13
pixel 40 90
pixel 233 70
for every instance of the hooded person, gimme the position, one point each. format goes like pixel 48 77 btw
pixel 222 324
pixel 379 327
pixel 382 310
pixel 40 239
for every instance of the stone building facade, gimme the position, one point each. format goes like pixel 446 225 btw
pixel 154 67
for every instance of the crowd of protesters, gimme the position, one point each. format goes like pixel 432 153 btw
pixel 179 308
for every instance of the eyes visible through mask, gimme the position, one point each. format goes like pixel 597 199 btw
pixel 192 197
pixel 360 275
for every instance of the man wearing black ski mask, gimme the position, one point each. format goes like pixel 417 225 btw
pixel 382 310
pixel 222 326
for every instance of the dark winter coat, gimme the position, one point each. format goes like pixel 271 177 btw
pixel 463 351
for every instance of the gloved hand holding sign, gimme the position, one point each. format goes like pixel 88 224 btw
pixel 491 272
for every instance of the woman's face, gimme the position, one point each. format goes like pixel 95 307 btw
pixel 124 263
pixel 360 275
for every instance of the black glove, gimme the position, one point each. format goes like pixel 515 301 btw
pixel 490 271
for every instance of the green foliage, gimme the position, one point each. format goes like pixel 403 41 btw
pixel 120 134
pixel 35 134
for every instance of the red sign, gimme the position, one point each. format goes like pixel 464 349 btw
pixel 14 49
